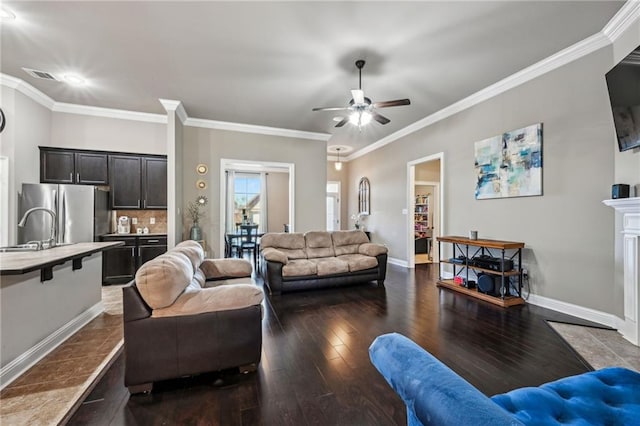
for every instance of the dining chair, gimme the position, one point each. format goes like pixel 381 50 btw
pixel 249 241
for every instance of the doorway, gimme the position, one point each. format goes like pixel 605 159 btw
pixel 266 198
pixel 424 209
pixel 333 206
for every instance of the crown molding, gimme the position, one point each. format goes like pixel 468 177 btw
pixel 565 56
pixel 27 90
pixel 251 128
pixel 109 113
pixel 628 14
pixel 175 106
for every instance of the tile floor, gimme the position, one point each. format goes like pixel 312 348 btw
pixel 600 347
pixel 49 390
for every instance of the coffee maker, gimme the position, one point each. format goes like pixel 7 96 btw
pixel 124 226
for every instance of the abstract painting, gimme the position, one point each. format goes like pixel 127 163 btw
pixel 510 165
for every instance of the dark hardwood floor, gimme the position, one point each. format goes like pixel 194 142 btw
pixel 315 368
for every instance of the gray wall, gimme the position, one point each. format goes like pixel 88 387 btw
pixel 277 201
pixel 107 134
pixel 208 146
pixel 568 232
pixel 28 125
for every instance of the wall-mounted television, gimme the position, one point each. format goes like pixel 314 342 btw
pixel 623 82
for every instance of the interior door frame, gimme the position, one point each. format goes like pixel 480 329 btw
pixel 338 205
pixel 411 202
pixel 252 167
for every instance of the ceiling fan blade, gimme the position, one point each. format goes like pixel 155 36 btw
pixel 386 104
pixel 330 109
pixel 380 118
pixel 342 122
pixel 358 96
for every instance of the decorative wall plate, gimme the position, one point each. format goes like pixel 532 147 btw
pixel 202 169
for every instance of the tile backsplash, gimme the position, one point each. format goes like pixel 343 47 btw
pixel 144 219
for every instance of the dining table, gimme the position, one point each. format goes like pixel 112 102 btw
pixel 231 237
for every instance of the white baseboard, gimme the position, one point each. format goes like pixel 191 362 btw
pixel 588 314
pixel 399 262
pixel 22 363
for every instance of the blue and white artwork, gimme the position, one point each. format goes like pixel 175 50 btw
pixel 510 165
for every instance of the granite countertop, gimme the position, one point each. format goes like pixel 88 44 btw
pixel 133 234
pixel 21 262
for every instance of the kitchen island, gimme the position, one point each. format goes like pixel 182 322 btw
pixel 45 297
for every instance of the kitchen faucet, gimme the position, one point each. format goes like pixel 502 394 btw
pixel 54 225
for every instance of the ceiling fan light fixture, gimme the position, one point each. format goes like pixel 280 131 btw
pixel 360 118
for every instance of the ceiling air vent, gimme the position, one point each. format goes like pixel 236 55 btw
pixel 43 75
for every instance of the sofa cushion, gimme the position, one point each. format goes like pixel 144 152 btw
pixel 607 396
pixel 214 299
pixel 359 262
pixel 299 267
pixel 275 255
pixel 224 268
pixel 372 249
pixel 193 250
pixel 347 242
pixel 330 265
pixel 291 244
pixel 319 244
pixel 227 281
pixel 161 280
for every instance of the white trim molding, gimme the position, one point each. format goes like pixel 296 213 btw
pixel 251 128
pixel 22 363
pixel 628 14
pixel 175 106
pixel 588 314
pixel 571 53
pixel 27 90
pixel 399 262
pixel 109 113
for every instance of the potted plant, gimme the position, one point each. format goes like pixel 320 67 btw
pixel 195 213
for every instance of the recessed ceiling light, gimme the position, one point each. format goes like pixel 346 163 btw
pixel 7 14
pixel 74 80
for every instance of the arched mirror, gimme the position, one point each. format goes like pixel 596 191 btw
pixel 364 193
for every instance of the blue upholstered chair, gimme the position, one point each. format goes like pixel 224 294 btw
pixel 435 395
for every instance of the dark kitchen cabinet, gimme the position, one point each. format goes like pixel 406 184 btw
pixel 138 182
pixel 150 248
pixel 73 167
pixel 125 180
pixel 154 182
pixel 120 264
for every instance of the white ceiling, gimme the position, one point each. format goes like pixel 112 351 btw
pixel 268 63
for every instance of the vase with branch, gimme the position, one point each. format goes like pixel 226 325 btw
pixel 195 212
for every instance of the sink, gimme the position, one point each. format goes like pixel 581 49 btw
pixel 19 247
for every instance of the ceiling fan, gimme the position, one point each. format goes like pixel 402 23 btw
pixel 361 107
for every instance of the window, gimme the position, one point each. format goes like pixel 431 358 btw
pixel 247 204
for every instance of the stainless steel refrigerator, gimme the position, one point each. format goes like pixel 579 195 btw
pixel 82 212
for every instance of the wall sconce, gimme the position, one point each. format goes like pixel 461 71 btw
pixel 202 169
pixel 201 184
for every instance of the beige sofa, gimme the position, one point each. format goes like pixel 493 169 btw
pixel 296 261
pixel 185 315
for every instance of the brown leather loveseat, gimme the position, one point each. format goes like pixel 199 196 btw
pixel 296 261
pixel 184 315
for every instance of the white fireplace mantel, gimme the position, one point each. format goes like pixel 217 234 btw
pixel 630 209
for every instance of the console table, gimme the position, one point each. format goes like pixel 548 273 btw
pixel 467 250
